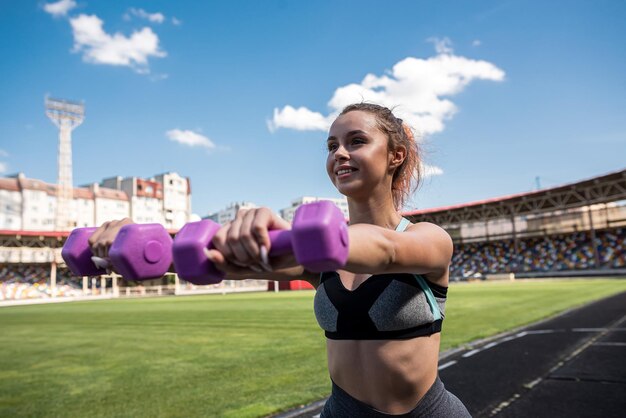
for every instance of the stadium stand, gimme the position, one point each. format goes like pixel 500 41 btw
pixel 553 253
pixel 573 228
pixel 19 281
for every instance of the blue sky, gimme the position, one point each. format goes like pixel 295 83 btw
pixel 236 95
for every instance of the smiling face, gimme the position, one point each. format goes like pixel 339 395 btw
pixel 359 160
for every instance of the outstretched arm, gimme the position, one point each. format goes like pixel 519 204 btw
pixel 241 249
pixel 424 248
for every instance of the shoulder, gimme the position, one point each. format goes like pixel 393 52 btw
pixel 434 233
pixel 440 247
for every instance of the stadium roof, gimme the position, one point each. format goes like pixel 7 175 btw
pixel 602 189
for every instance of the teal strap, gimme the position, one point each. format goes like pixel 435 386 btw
pixel 434 308
pixel 402 225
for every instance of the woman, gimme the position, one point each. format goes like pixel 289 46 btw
pixel 382 312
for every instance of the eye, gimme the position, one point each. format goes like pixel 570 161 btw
pixel 358 140
pixel 332 146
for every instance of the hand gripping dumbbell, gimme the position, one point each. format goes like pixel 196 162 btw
pixel 139 252
pixel 318 239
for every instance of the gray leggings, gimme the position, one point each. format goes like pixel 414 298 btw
pixel 436 403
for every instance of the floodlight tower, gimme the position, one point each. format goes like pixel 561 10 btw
pixel 66 115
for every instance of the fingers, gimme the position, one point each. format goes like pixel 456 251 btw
pixel 243 248
pixel 244 242
pixel 221 263
pixel 276 222
pixel 254 234
pixel 97 243
pixel 102 239
pixel 248 237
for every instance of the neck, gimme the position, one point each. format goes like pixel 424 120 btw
pixel 376 211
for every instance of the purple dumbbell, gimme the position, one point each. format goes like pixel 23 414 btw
pixel 139 252
pixel 318 239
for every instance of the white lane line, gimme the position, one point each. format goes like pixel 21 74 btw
pixel 533 383
pixel 448 364
pixel 610 344
pixel 490 345
pixel 505 339
pixel 504 404
pixel 531 332
pixel 470 353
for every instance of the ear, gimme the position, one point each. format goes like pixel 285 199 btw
pixel 397 156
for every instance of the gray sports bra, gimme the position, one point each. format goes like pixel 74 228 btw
pixel 383 307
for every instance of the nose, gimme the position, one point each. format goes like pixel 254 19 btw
pixel 341 153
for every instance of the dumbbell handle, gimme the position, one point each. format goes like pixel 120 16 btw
pixel 281 243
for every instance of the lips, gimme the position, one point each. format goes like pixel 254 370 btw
pixel 345 171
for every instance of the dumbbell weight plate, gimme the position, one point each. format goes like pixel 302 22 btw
pixel 141 251
pixel 77 254
pixel 190 261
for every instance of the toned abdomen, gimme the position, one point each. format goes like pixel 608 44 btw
pixel 391 376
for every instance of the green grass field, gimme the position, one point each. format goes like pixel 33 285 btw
pixel 238 355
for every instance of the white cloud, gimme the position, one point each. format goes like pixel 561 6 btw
pixel 442 45
pixel 300 119
pixel 99 47
pixel 3 153
pixel 152 17
pixel 176 22
pixel 189 138
pixel 430 171
pixel 419 90
pixel 60 8
pixel 476 42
